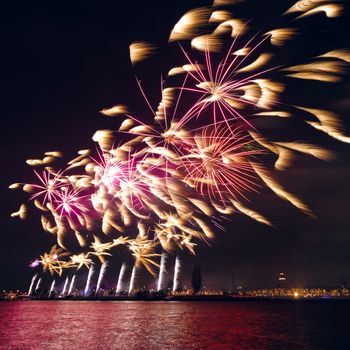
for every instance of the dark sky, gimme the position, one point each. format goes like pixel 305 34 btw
pixel 63 61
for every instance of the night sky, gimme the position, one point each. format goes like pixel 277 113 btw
pixel 63 61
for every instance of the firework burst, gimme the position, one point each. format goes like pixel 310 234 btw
pixel 219 164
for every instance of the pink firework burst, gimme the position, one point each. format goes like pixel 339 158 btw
pixel 221 86
pixel 125 179
pixel 48 187
pixel 110 171
pixel 219 163
pixel 70 202
pixel 34 264
pixel 134 185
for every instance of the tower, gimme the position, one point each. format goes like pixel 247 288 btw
pixel 281 280
pixel 234 286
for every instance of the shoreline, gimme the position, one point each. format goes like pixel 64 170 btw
pixel 189 298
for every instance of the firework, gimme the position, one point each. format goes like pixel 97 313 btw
pixel 51 261
pixel 38 284
pixel 71 286
pixel 32 284
pixel 52 287
pixel 121 279
pixel 177 274
pixel 133 280
pixel 219 164
pixel 69 203
pixel 47 189
pixel 162 186
pixel 65 286
pixel 34 264
pixel 80 260
pixel 162 272
pixel 88 280
pixel 101 276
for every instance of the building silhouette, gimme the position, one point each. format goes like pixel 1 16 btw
pixel 282 280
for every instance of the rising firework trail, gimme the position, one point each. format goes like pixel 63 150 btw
pixel 38 284
pixel 88 280
pixel 177 274
pixel 121 279
pixel 101 276
pixel 133 279
pixel 32 284
pixel 162 272
pixel 71 287
pixel 52 287
pixel 64 290
pixel 173 181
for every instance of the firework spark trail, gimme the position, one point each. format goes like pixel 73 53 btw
pixel 38 284
pixel 71 286
pixel 101 275
pixel 52 287
pixel 162 272
pixel 65 286
pixel 121 279
pixel 177 274
pixel 199 160
pixel 32 284
pixel 132 283
pixel 88 280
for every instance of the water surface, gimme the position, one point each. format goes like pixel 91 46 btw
pixel 95 325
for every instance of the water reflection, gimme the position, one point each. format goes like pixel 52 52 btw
pixel 173 325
